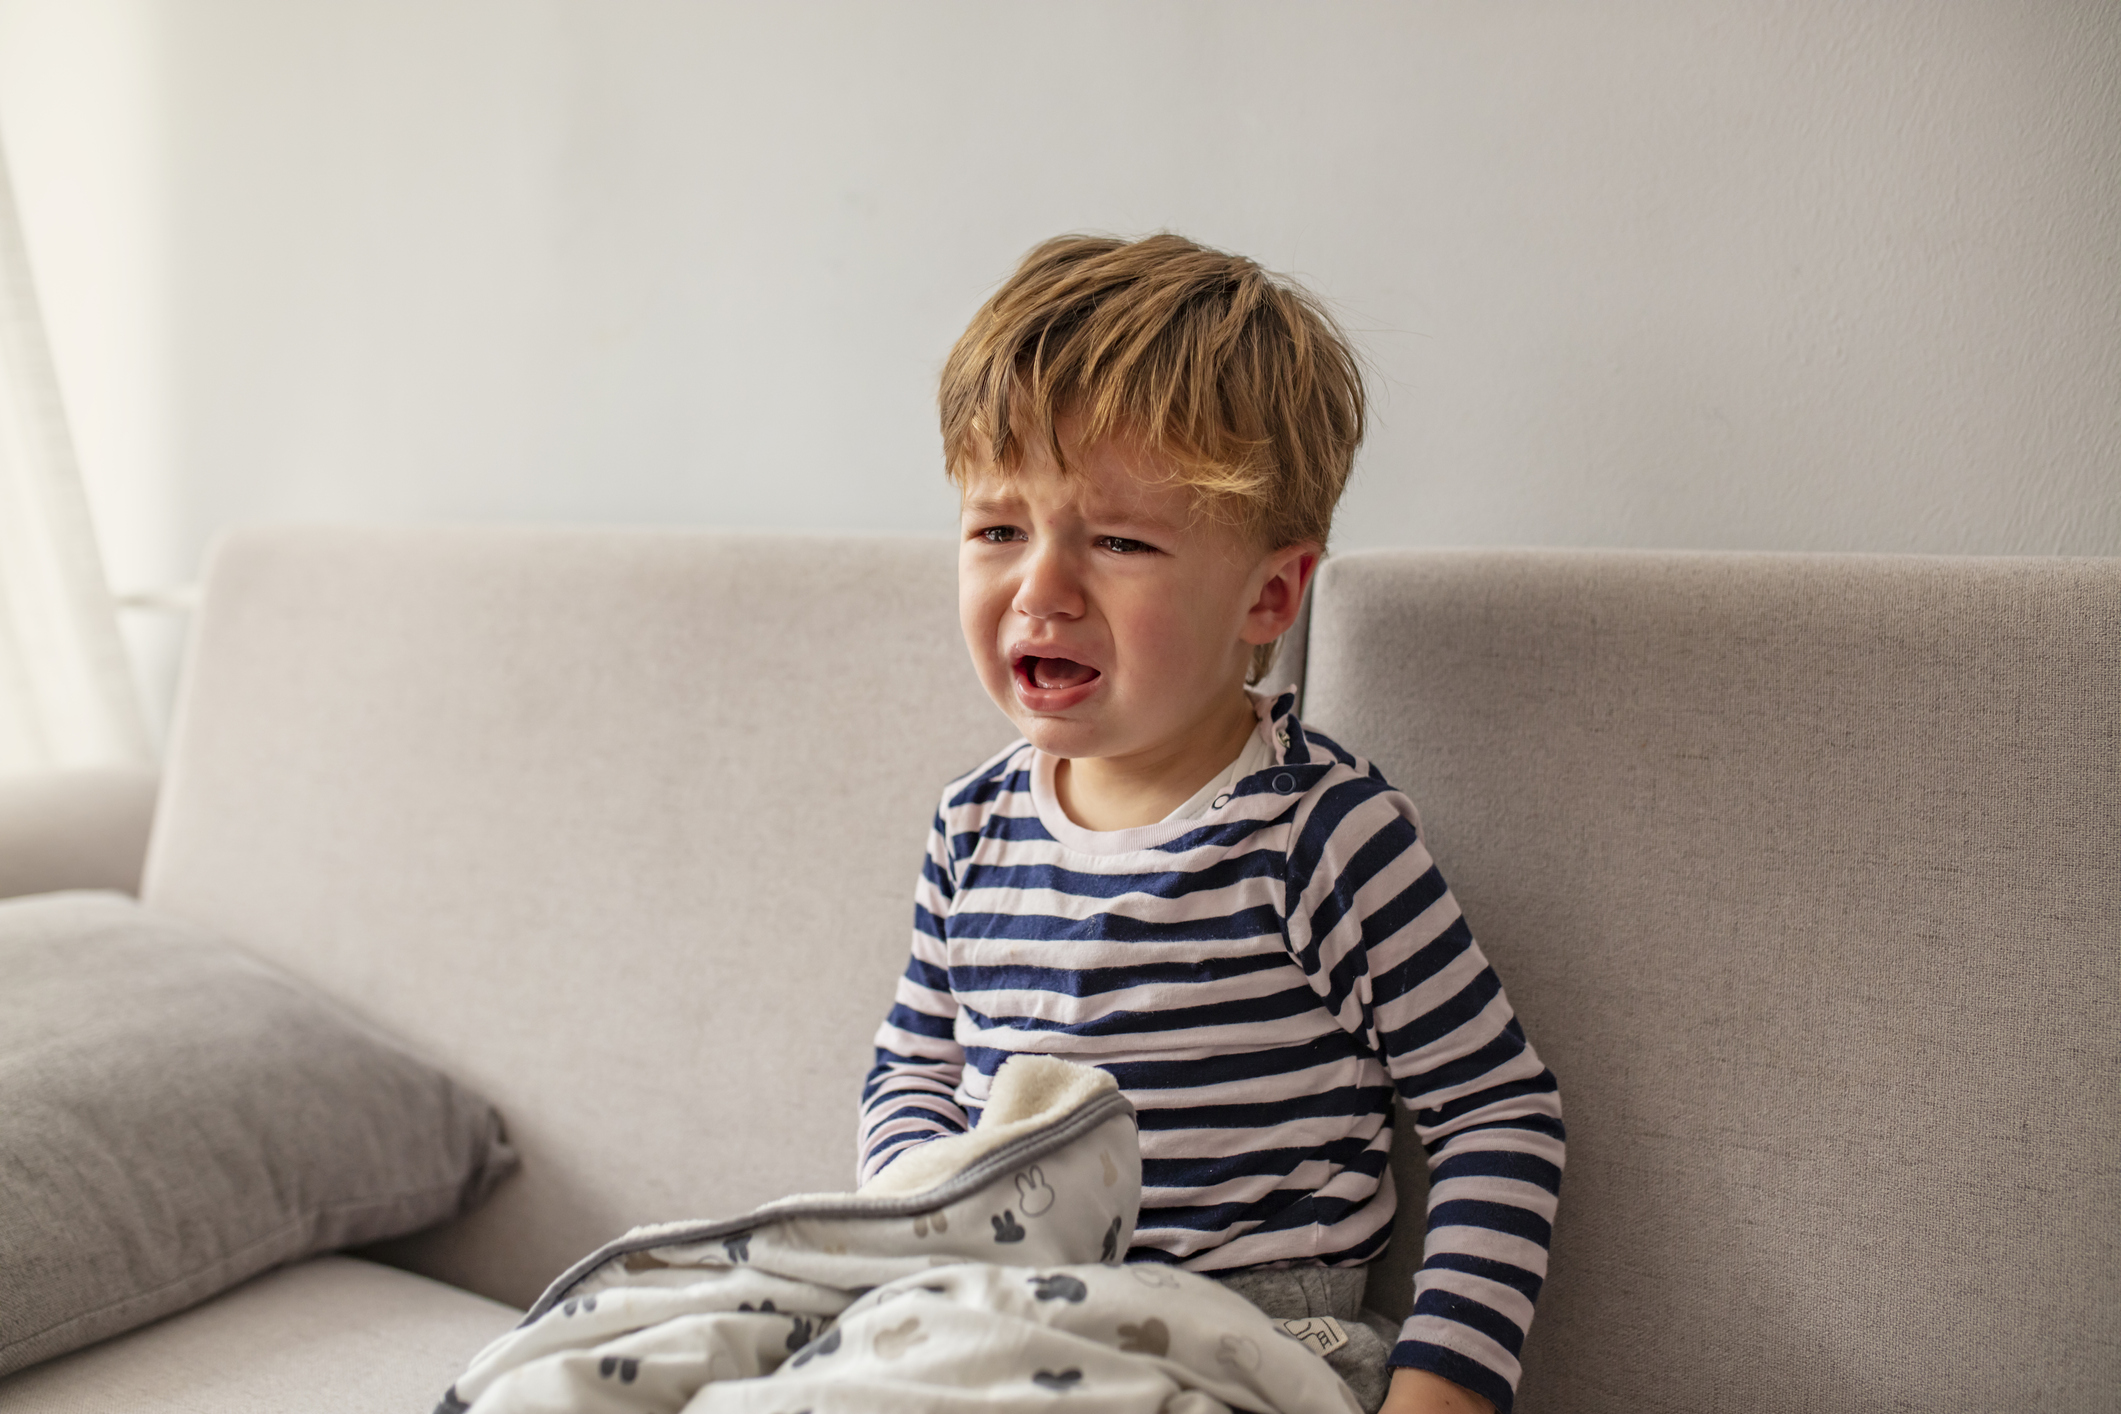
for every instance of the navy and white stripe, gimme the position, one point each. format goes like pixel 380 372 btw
pixel 1259 981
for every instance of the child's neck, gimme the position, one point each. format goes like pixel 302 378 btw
pixel 1123 792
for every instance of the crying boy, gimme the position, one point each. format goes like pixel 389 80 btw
pixel 1169 876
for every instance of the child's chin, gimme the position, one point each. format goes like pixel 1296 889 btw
pixel 1058 736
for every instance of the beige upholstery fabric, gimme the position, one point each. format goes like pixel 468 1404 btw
pixel 84 828
pixel 620 829
pixel 332 1336
pixel 1805 876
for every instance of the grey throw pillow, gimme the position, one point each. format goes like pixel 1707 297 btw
pixel 176 1117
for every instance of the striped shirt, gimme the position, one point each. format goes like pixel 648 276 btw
pixel 1259 981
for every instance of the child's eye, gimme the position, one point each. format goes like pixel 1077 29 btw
pixel 1121 545
pixel 1000 534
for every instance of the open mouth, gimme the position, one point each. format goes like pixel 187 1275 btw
pixel 1054 674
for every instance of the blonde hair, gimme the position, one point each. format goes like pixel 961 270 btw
pixel 1240 381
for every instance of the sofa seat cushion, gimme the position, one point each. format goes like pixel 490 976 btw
pixel 331 1336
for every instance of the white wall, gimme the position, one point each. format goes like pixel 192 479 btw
pixel 1805 275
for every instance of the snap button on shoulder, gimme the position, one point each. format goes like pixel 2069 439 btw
pixel 1284 782
pixel 1220 801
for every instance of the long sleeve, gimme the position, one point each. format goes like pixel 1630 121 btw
pixel 910 1095
pixel 1383 942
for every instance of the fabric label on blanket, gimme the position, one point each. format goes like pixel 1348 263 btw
pixel 1322 1333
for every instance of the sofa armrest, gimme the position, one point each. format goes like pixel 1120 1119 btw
pixel 74 829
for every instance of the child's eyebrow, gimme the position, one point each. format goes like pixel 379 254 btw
pixel 1129 516
pixel 982 506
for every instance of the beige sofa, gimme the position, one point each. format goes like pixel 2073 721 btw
pixel 1804 873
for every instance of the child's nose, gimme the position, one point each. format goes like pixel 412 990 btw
pixel 1050 588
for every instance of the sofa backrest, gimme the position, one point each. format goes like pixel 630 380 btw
pixel 1804 873
pixel 620 828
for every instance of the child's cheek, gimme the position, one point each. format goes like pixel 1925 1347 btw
pixel 981 607
pixel 1170 634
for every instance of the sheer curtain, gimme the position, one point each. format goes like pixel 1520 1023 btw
pixel 67 693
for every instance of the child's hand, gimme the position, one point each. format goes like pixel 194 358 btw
pixel 1419 1392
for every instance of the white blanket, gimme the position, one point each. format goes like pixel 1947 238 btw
pixel 980 1272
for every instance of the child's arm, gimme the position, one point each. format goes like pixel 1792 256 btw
pixel 1382 938
pixel 910 1095
pixel 1419 1392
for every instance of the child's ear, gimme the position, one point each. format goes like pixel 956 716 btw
pixel 1283 576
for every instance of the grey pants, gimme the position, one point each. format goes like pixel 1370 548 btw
pixel 1293 1293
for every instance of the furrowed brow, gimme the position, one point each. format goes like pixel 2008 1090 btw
pixel 1130 517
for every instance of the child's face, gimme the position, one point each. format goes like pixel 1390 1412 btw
pixel 1105 616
